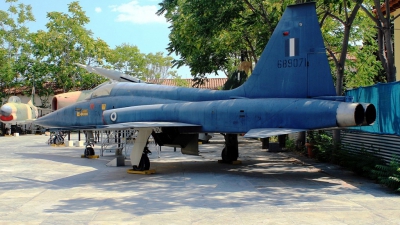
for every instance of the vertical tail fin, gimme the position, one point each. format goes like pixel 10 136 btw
pixel 294 62
pixel 32 100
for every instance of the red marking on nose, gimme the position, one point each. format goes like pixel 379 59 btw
pixel 6 118
pixel 91 106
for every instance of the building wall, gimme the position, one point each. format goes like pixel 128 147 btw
pixel 25 99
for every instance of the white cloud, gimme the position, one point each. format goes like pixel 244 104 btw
pixel 135 13
pixel 97 9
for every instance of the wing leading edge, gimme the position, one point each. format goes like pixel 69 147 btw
pixel 127 125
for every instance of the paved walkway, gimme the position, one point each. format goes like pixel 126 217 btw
pixel 40 184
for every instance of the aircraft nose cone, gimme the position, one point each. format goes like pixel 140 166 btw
pixel 6 110
pixel 5 113
pixel 40 121
pixel 47 120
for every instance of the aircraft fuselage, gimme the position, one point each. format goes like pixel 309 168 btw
pixel 216 111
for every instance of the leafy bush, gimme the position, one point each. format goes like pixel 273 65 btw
pixel 290 144
pixel 389 174
pixel 323 145
pixel 362 161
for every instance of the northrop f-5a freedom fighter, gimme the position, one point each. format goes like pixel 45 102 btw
pixel 290 90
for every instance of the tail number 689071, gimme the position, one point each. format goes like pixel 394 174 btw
pixel 288 63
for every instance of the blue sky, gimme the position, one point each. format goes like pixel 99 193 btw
pixel 114 21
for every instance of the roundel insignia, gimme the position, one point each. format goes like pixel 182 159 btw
pixel 113 116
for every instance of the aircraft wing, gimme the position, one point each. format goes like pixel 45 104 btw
pixel 72 128
pixel 127 125
pixel 122 126
pixel 269 132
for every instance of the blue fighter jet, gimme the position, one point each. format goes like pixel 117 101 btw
pixel 290 90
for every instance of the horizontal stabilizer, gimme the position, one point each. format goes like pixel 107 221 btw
pixel 269 132
pixel 148 124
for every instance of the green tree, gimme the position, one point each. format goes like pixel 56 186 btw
pixel 211 36
pixel 14 44
pixel 178 80
pixel 340 15
pixel 350 42
pixel 383 22
pixel 66 42
pixel 128 59
pixel 236 79
pixel 158 66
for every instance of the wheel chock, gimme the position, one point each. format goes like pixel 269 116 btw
pixel 143 172
pixel 56 145
pixel 236 162
pixel 90 156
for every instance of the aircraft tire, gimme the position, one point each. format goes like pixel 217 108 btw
pixel 226 157
pixel 144 163
pixel 89 151
pixel 231 151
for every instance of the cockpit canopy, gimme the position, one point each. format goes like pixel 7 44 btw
pixel 102 90
pixel 14 99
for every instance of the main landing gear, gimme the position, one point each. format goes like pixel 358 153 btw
pixel 144 163
pixel 230 153
pixel 139 154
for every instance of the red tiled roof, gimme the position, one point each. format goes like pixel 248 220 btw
pixel 21 90
pixel 394 5
pixel 210 83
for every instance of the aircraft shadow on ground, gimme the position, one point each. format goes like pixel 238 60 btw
pixel 271 178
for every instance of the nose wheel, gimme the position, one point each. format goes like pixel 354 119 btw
pixel 89 152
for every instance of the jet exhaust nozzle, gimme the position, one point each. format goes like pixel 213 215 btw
pixel 370 113
pixel 350 114
pixel 54 104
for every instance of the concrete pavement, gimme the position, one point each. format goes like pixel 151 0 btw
pixel 52 185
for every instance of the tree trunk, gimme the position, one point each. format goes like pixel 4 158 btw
pixel 301 140
pixel 391 69
pixel 342 61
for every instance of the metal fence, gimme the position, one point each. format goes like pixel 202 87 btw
pixel 384 146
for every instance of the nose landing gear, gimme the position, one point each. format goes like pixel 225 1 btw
pixel 89 152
